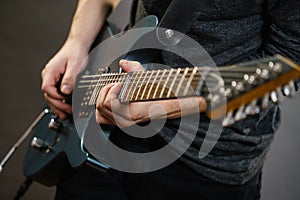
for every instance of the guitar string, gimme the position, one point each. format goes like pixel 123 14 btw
pixel 115 77
pixel 134 84
pixel 235 74
pixel 172 76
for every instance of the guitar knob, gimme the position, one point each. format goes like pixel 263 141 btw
pixel 54 124
pixel 37 143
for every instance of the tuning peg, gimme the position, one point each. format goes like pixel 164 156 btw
pixel 240 114
pixel 226 92
pixel 252 108
pixel 276 96
pixel 265 101
pixel 251 79
pixel 277 67
pixel 263 73
pixel 273 97
pixel 239 86
pixel 228 120
pixel 289 89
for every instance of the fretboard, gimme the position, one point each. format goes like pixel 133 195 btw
pixel 147 85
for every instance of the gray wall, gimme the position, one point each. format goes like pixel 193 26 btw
pixel 31 32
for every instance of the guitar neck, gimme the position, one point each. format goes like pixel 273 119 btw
pixel 240 85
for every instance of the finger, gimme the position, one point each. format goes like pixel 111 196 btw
pixel 51 91
pixel 101 100
pixel 61 114
pixel 59 105
pixel 110 110
pixel 101 119
pixel 69 77
pixel 114 91
pixel 50 77
pixel 130 66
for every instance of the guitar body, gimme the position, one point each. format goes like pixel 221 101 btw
pixel 60 153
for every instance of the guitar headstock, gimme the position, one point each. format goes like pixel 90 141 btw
pixel 249 87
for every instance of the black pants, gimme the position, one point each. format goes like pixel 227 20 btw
pixel 173 182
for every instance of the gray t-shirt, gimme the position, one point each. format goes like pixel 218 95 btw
pixel 232 31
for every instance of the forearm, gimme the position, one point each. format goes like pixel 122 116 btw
pixel 88 20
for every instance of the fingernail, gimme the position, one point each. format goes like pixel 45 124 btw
pixel 66 89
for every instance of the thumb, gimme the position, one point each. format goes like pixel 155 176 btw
pixel 130 66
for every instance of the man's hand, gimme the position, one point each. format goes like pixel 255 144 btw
pixel 110 111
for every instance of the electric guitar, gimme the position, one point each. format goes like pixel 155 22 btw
pixel 232 93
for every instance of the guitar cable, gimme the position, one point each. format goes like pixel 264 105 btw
pixel 21 140
pixel 23 188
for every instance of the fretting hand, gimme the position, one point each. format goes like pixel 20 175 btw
pixel 109 110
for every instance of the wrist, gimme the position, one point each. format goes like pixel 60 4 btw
pixel 81 44
pixel 78 44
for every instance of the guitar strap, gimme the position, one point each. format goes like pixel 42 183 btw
pixel 179 16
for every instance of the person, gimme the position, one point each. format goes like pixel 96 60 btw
pixel 231 32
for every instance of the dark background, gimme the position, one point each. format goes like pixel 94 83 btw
pixel 31 32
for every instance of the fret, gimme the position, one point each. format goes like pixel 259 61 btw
pixel 124 80
pixel 172 84
pixel 125 90
pixel 164 86
pixel 149 92
pixel 158 84
pixel 96 91
pixel 134 84
pixel 201 80
pixel 129 85
pixel 181 81
pixel 188 84
pixel 140 85
pixel 112 79
pixel 146 86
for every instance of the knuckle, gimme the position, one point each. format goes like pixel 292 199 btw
pixel 43 72
pixel 98 118
pixel 107 104
pixel 44 87
pixel 134 116
pixel 98 107
pixel 68 79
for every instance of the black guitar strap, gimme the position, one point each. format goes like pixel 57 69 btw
pixel 179 16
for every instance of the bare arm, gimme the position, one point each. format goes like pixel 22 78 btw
pixel 87 21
